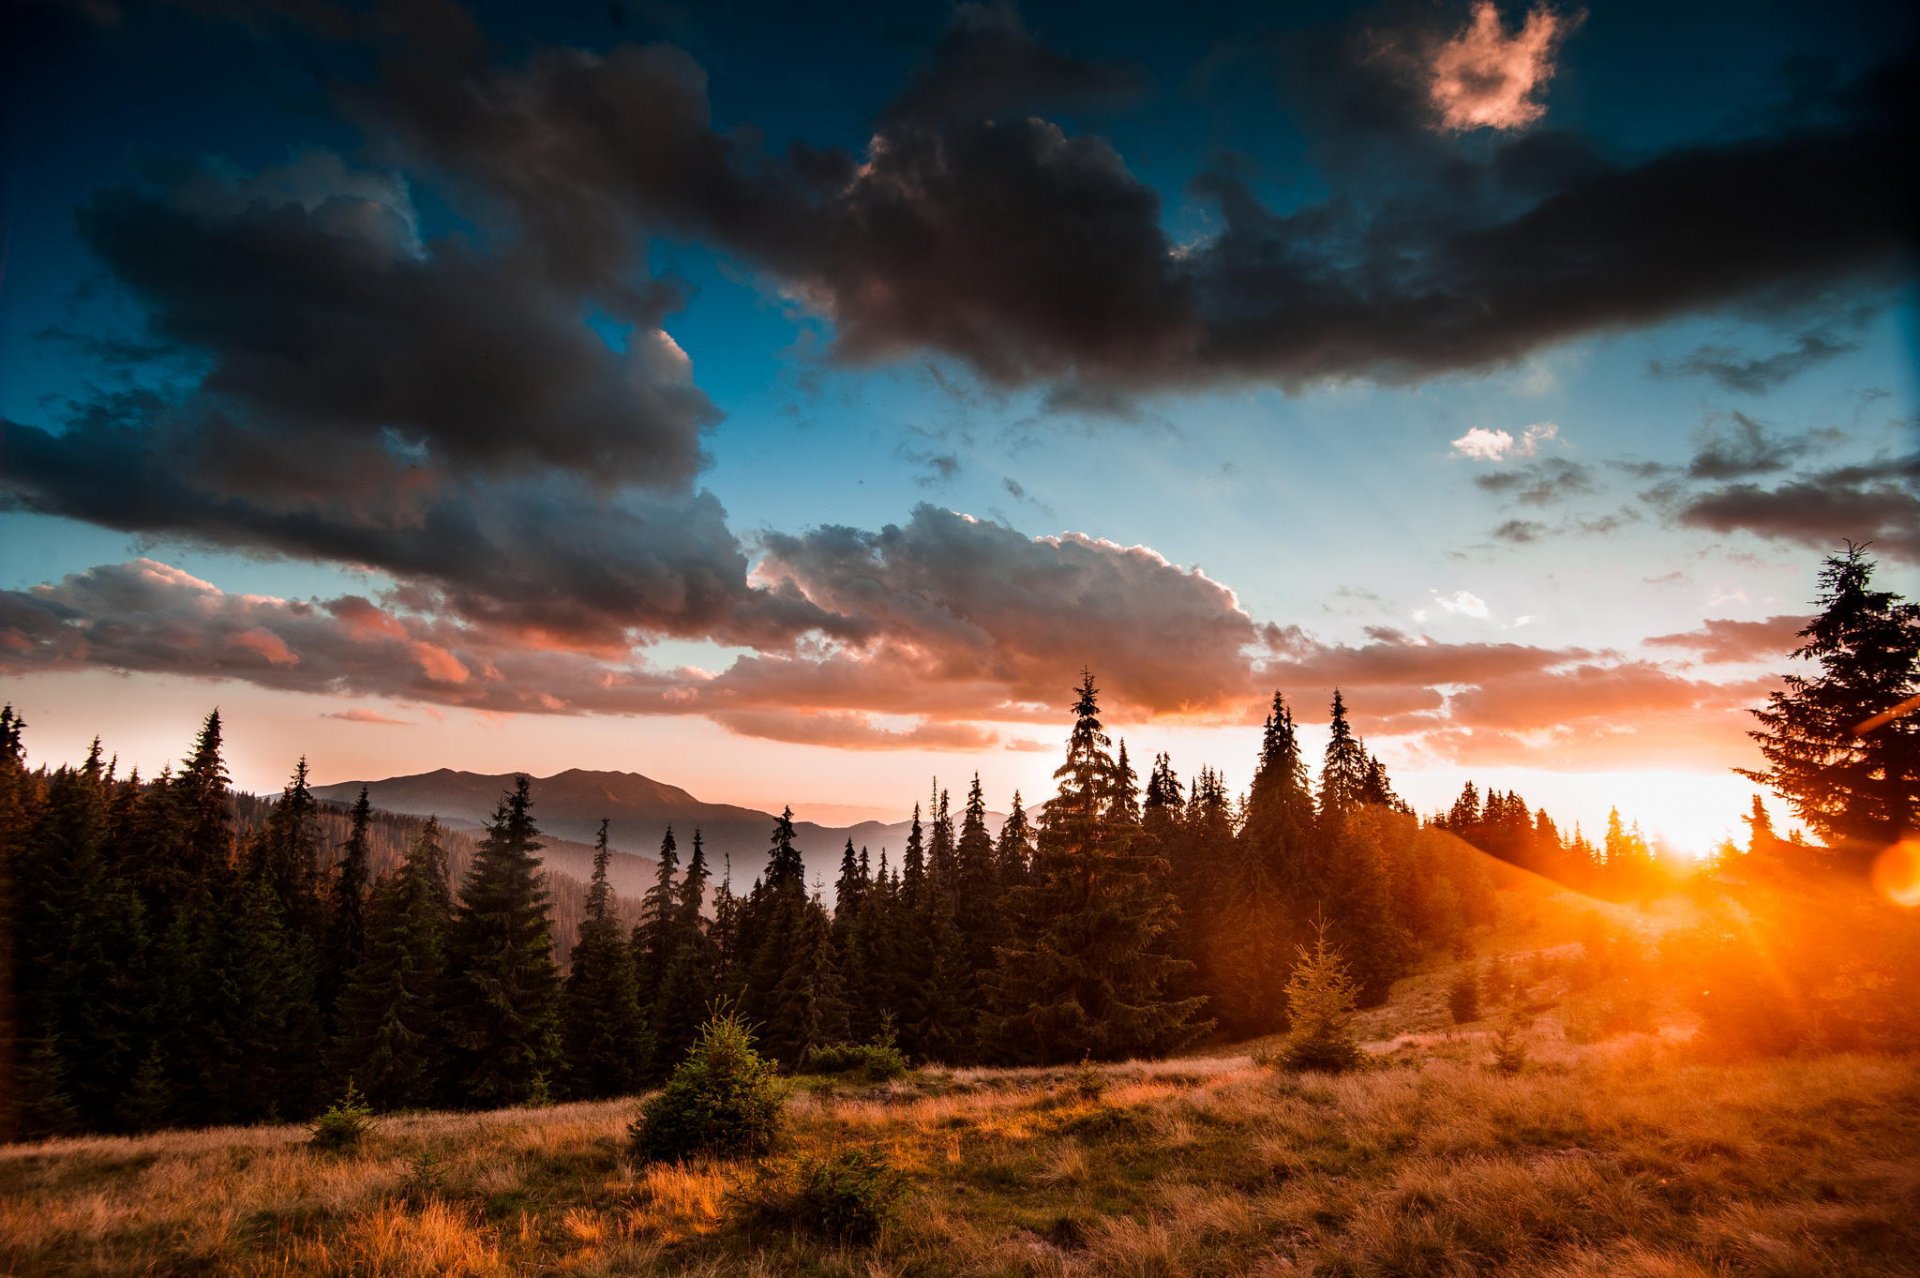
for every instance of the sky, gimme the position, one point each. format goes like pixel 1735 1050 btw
pixel 789 402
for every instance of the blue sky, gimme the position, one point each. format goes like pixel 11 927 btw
pixel 1680 449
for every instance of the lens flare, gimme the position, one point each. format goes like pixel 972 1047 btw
pixel 1896 873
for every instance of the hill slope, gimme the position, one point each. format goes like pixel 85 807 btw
pixel 570 805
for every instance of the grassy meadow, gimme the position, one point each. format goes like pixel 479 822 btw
pixel 1606 1153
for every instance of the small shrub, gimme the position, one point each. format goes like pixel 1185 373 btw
pixel 723 1099
pixel 1463 996
pixel 877 1062
pixel 1321 998
pixel 1089 1083
pixel 849 1197
pixel 344 1125
pixel 1509 1047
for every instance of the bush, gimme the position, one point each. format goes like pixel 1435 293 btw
pixel 343 1126
pixel 1320 1002
pixel 1509 1048
pixel 872 1062
pixel 723 1100
pixel 849 1197
pixel 1463 996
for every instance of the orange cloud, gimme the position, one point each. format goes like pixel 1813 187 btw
pixel 1484 78
pixel 267 644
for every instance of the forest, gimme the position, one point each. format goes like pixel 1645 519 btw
pixel 185 956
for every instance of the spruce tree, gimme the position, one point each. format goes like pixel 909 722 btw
pixel 653 935
pixel 1841 743
pixel 503 985
pixel 1086 973
pixel 1343 774
pixel 603 1047
pixel 392 1035
pixel 347 920
pixel 690 985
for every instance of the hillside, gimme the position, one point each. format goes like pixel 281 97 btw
pixel 570 805
pixel 1605 1154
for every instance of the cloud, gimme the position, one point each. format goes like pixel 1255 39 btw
pixel 956 600
pixel 1737 446
pixel 1463 603
pixel 1727 641
pixel 1481 444
pixel 987 63
pixel 948 619
pixel 1541 483
pixel 970 227
pixel 339 345
pixel 1520 532
pixel 359 714
pixel 848 731
pixel 1876 502
pixel 1485 79
pixel 1827 339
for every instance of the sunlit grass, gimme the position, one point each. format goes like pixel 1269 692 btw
pixel 1630 1143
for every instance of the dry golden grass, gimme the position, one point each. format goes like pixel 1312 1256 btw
pixel 1624 1157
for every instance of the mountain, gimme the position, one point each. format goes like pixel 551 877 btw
pixel 570 805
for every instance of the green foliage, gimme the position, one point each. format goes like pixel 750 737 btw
pixel 723 1100
pixel 1835 743
pixel 1509 1045
pixel 504 987
pixel 871 1062
pixel 848 1198
pixel 345 1124
pixel 602 1035
pixel 1321 998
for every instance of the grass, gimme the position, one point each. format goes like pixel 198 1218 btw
pixel 1622 1157
pixel 1621 1147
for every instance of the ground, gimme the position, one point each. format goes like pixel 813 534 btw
pixel 1607 1154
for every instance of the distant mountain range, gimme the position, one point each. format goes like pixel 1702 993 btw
pixel 570 805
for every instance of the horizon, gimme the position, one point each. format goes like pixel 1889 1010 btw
pixel 1497 365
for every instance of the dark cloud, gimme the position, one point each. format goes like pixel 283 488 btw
pixel 549 555
pixel 1539 483
pixel 988 63
pixel 1738 446
pixel 328 328
pixel 1877 502
pixel 1520 531
pixel 1756 374
pixel 1036 255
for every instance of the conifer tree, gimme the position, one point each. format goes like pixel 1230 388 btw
pixel 392 1036
pixel 786 989
pixel 1842 743
pixel 689 987
pixel 503 984
pixel 653 935
pixel 1014 848
pixel 1343 775
pixel 347 921
pixel 602 1038
pixel 286 858
pixel 1087 972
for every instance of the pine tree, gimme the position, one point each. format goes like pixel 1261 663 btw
pixel 503 984
pixel 1320 1006
pixel 1014 848
pixel 1843 745
pixel 788 985
pixel 392 1036
pixel 1087 972
pixel 603 1041
pixel 347 921
pixel 653 935
pixel 690 985
pixel 1343 775
pixel 1762 842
